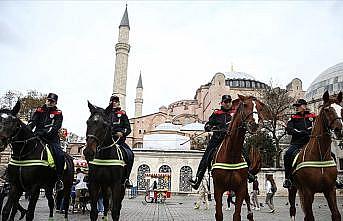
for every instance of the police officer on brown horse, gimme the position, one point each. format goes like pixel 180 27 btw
pixel 218 123
pixel 299 127
pixel 47 120
pixel 120 130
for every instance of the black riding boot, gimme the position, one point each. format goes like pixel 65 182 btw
pixel 287 183
pixel 128 169
pixel 200 174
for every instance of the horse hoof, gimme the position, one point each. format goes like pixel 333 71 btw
pixel 51 219
pixel 105 218
pixel 292 218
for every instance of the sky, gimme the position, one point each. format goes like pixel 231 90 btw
pixel 68 47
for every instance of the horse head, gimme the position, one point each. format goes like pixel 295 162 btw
pixel 332 111
pixel 252 111
pixel 9 125
pixel 98 130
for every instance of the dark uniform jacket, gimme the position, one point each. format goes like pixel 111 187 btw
pixel 219 122
pixel 47 120
pixel 120 123
pixel 300 127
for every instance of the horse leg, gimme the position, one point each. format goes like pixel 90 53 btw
pixel 332 201
pixel 292 192
pixel 32 204
pixel 66 201
pixel 13 198
pixel 307 200
pixel 51 203
pixel 106 200
pixel 240 196
pixel 118 192
pixel 94 196
pixel 218 195
pixel 250 215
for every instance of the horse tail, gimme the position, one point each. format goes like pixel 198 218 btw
pixel 255 161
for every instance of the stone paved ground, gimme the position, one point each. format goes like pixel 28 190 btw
pixel 181 208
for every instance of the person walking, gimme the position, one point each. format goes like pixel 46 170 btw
pixel 80 188
pixel 270 190
pixel 255 192
pixel 203 194
pixel 229 200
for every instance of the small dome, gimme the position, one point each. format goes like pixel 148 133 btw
pixel 193 127
pixel 238 75
pixel 168 127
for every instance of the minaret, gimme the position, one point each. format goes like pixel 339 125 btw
pixel 139 97
pixel 122 55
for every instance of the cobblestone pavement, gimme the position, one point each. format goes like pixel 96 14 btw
pixel 181 208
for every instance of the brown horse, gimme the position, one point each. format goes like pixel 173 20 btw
pixel 230 171
pixel 315 170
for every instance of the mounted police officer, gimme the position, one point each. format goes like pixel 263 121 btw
pixel 47 120
pixel 299 127
pixel 120 130
pixel 218 124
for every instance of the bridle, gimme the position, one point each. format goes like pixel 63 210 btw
pixel 11 140
pixel 244 117
pixel 100 146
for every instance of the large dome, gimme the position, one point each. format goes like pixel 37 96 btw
pixel 329 80
pixel 238 75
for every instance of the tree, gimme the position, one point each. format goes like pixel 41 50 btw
pixel 264 143
pixel 29 102
pixel 279 103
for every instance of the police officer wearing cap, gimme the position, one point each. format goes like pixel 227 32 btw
pixel 218 124
pixel 46 122
pixel 120 130
pixel 299 127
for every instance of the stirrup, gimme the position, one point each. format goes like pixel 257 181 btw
pixel 195 183
pixel 59 185
pixel 287 183
pixel 127 184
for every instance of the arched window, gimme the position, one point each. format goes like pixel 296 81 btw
pixel 185 176
pixel 164 183
pixel 141 184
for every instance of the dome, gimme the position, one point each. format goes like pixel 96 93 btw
pixel 329 80
pixel 168 127
pixel 165 142
pixel 193 127
pixel 238 75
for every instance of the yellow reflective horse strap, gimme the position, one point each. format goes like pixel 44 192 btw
pixel 315 164
pixel 231 166
pixel 111 162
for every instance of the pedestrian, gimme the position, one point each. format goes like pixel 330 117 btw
pixel 270 190
pixel 255 192
pixel 229 200
pixel 101 204
pixel 203 194
pixel 80 187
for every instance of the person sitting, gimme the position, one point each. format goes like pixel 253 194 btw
pixel 218 123
pixel 47 120
pixel 120 130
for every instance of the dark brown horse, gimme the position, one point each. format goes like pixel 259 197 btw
pixel 230 171
pixel 106 165
pixel 29 168
pixel 315 170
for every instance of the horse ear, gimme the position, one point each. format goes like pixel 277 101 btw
pixel 108 109
pixel 339 97
pixel 326 97
pixel 91 107
pixel 16 108
pixel 241 97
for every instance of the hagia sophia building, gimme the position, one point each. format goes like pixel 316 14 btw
pixel 160 139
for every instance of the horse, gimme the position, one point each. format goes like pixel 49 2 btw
pixel 106 163
pixel 30 168
pixel 314 169
pixel 230 171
